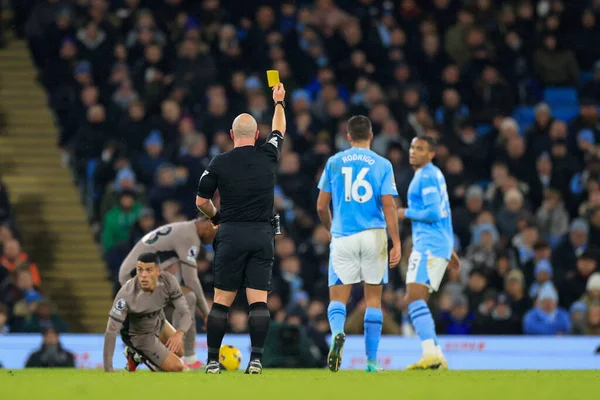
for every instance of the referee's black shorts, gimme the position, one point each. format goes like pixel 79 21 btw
pixel 244 253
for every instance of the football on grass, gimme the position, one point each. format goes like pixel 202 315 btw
pixel 230 357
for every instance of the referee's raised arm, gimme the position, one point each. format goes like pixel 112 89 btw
pixel 279 122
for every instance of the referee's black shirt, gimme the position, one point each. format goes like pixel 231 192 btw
pixel 245 177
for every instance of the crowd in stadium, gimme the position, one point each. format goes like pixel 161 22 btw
pixel 23 306
pixel 144 93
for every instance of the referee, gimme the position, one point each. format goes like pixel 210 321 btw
pixel 245 177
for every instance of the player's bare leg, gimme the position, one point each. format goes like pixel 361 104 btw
pixel 373 324
pixel 189 340
pixel 167 331
pixel 336 313
pixel 259 319
pixel 417 295
pixel 216 326
pixel 172 364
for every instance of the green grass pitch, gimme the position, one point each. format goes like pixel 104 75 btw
pixel 299 384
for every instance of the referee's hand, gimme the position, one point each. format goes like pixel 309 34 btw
pixel 278 92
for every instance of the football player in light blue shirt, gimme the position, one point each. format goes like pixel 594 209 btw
pixel 433 243
pixel 361 185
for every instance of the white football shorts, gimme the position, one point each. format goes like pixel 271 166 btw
pixel 426 269
pixel 362 257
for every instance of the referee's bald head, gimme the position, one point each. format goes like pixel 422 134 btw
pixel 244 127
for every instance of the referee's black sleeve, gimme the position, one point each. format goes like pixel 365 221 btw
pixel 272 145
pixel 208 183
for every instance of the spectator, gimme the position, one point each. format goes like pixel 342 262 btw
pixel 547 318
pixel 593 319
pixel 587 119
pixel 574 286
pixel 459 320
pixel 21 297
pixel 116 229
pixel 482 251
pixel 553 66
pixel 543 274
pixel 145 223
pixel 456 45
pixel 134 127
pixel 51 354
pixel 538 140
pixel 501 320
pixel 564 256
pixel 578 312
pixel 515 290
pixel 541 251
pixel 44 318
pixel 552 218
pixel 592 288
pixel 507 217
pixel 476 286
pixel 154 156
pixel 13 257
pixel 463 218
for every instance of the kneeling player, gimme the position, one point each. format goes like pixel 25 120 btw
pixel 137 314
pixel 178 242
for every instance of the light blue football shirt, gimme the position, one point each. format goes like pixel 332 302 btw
pixel 431 231
pixel 356 179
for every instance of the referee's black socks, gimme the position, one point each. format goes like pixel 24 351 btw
pixel 258 323
pixel 216 326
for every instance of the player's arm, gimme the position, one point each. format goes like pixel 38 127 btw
pixel 388 193
pixel 391 220
pixel 116 318
pixel 181 306
pixel 207 186
pixel 454 262
pixel 189 273
pixel 323 208
pixel 125 273
pixel 432 201
pixel 325 197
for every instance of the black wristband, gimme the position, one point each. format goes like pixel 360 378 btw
pixel 216 219
pixel 280 102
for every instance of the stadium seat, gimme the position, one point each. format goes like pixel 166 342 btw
pixel 483 129
pixel 566 114
pixel 561 97
pixel 524 117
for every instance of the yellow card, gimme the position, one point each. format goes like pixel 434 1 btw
pixel 273 77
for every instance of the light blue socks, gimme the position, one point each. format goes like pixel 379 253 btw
pixel 373 325
pixel 336 313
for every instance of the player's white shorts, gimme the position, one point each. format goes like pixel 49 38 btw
pixel 426 269
pixel 362 257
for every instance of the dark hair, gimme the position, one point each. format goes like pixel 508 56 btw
pixel 359 127
pixel 148 258
pixel 589 255
pixel 430 141
pixel 541 245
